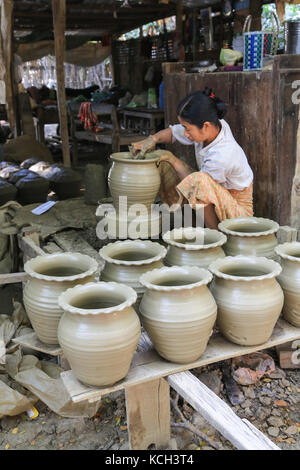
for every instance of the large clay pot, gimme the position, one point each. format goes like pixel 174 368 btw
pixel 190 246
pixel 50 275
pixel 248 296
pixel 99 331
pixel 250 236
pixel 126 261
pixel 139 180
pixel 289 279
pixel 178 311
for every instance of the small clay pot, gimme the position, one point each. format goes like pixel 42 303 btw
pixel 190 246
pixel 178 311
pixel 249 298
pixel 126 261
pixel 138 180
pixel 99 331
pixel 50 275
pixel 289 279
pixel 250 236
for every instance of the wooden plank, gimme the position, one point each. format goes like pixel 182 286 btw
pixel 11 278
pixel 29 248
pixel 148 366
pixel 287 360
pixel 148 414
pixel 31 341
pixel 218 413
pixel 73 241
pixel 59 24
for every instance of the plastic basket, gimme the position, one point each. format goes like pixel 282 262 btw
pixel 258 44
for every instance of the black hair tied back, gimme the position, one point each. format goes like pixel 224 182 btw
pixel 201 106
pixel 220 105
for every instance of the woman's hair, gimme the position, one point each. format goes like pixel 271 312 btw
pixel 201 106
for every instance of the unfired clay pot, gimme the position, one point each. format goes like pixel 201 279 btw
pixel 289 279
pixel 178 311
pixel 126 261
pixel 50 275
pixel 139 180
pixel 250 236
pixel 99 331
pixel 122 226
pixel 190 246
pixel 249 298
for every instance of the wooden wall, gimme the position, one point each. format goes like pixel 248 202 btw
pixel 263 119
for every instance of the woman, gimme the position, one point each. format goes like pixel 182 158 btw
pixel 223 184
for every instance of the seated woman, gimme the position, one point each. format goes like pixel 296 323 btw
pixel 223 184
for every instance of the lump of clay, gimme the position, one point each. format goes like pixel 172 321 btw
pixel 29 162
pixel 8 192
pixel 6 172
pixel 32 188
pixel 23 147
pixel 65 182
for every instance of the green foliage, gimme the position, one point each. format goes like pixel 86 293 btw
pixel 292 12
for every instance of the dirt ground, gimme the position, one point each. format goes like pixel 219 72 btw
pixel 272 406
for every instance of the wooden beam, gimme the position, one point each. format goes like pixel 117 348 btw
pixel 7 55
pixel 240 433
pixel 59 23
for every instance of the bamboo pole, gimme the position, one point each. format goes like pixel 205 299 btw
pixel 7 58
pixel 59 24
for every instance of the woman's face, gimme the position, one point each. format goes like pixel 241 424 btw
pixel 193 132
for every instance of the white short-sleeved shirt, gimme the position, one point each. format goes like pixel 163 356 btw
pixel 223 159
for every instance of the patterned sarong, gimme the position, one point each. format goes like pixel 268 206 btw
pixel 201 189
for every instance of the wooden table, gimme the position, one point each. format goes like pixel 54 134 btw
pixel 146 118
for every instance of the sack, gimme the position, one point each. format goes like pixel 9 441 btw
pixel 258 44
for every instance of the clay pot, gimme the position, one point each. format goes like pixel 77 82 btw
pixel 99 331
pixel 248 296
pixel 178 311
pixel 289 279
pixel 50 275
pixel 120 226
pixel 250 236
pixel 139 180
pixel 191 246
pixel 126 261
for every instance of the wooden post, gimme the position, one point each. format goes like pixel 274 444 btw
pixel 148 414
pixel 7 58
pixel 59 23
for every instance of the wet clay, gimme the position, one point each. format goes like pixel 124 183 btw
pixel 50 275
pixel 289 279
pixel 99 331
pixel 250 236
pixel 185 250
pixel 249 298
pixel 126 261
pixel 178 311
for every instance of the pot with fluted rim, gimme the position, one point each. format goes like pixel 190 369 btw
pixel 289 279
pixel 49 276
pixel 138 180
pixel 99 331
pixel 250 236
pixel 193 246
pixel 126 261
pixel 249 298
pixel 178 311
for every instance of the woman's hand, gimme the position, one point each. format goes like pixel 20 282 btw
pixel 143 146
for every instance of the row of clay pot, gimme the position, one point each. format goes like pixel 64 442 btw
pixel 177 308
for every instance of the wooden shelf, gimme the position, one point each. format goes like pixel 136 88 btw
pixel 147 366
